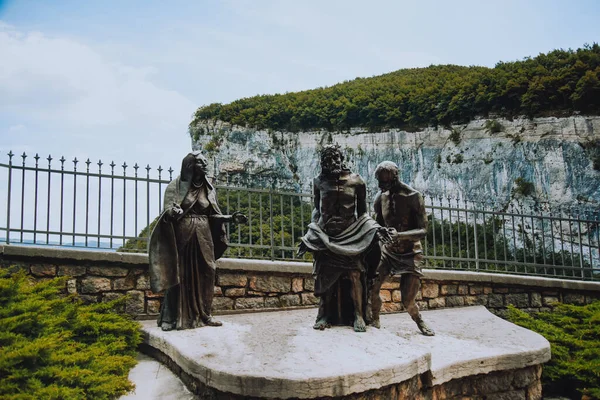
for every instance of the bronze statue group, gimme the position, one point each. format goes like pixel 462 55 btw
pixel 353 252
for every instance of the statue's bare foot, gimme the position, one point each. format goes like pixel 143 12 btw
pixel 165 326
pixel 375 323
pixel 321 324
pixel 359 325
pixel 425 330
pixel 213 322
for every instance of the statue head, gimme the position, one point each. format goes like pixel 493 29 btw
pixel 193 167
pixel 386 174
pixel 332 159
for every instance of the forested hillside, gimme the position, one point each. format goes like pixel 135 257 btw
pixel 556 83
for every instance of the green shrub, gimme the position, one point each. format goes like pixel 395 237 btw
pixel 54 347
pixel 574 336
pixel 493 126
pixel 523 187
pixel 455 136
pixel 592 149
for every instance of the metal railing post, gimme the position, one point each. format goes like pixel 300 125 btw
pixel 10 156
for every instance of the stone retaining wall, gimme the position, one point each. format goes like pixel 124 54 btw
pixel 244 285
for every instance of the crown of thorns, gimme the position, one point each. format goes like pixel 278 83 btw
pixel 330 150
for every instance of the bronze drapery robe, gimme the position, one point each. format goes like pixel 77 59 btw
pixel 177 268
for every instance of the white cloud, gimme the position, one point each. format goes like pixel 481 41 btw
pixel 77 102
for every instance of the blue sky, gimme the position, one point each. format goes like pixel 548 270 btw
pixel 120 79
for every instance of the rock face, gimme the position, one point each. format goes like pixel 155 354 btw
pixel 481 160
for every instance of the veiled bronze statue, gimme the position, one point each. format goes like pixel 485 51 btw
pixel 183 248
pixel 341 237
pixel 401 209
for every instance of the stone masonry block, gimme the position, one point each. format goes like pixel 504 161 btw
pixel 493 383
pixel 423 305
pixel 438 302
pixel 534 391
pixel 107 271
pixel 143 282
pixel 297 285
pixel 110 296
pixel 536 299
pixel 134 304
pixel 455 301
pixel 71 270
pixel 151 295
pixel 391 307
pixel 385 295
pixel 463 289
pixel 235 292
pixel 249 303
pixel 273 302
pixel 525 377
pixel 473 300
pixel 277 284
pixel 290 300
pixel 218 291
pixel 574 298
pixel 549 301
pixel 309 299
pixel 396 296
pixel 519 300
pixel 95 285
pixel 430 290
pixel 238 280
pixel 222 303
pixel 43 270
pixel 153 307
pixel 126 283
pixel 476 289
pixel 508 395
pixel 390 285
pixel 448 289
pixel 309 284
pixel 496 300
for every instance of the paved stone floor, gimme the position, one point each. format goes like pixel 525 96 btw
pixel 154 381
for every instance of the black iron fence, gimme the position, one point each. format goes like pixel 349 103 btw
pixel 113 207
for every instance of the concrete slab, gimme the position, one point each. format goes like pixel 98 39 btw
pixel 279 355
pixel 154 381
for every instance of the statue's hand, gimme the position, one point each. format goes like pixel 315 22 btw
pixel 175 210
pixel 385 235
pixel 239 218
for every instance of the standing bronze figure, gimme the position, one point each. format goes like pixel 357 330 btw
pixel 340 236
pixel 401 209
pixel 183 248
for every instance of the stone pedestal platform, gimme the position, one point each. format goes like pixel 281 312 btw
pixel 279 355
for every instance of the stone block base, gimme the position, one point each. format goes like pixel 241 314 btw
pixel 474 355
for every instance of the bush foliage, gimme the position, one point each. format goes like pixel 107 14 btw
pixel 555 83
pixel 54 347
pixel 574 336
